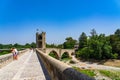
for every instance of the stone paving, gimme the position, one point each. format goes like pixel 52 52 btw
pixel 27 67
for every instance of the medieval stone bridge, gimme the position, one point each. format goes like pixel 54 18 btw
pixel 41 43
pixel 38 65
pixel 59 52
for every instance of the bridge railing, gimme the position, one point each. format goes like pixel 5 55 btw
pixel 7 58
pixel 59 70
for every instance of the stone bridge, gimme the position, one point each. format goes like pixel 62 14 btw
pixel 41 43
pixel 59 52
pixel 39 65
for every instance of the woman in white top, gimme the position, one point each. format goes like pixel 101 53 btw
pixel 15 53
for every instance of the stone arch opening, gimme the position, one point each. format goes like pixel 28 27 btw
pixel 72 53
pixel 54 54
pixel 65 55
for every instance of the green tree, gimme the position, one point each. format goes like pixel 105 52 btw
pixel 82 40
pixel 117 32
pixel 69 44
pixel 115 42
pixel 101 47
pixel 60 46
pixel 93 32
pixel 1 46
pixel 51 46
pixel 16 45
pixel 33 45
pixel 54 55
pixel 98 47
pixel 65 55
pixel 27 45
pixel 84 53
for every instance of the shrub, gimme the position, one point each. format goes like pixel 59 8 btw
pixel 4 52
pixel 52 55
pixel 115 56
pixel 72 62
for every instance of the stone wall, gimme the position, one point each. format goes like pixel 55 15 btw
pixel 59 70
pixel 5 59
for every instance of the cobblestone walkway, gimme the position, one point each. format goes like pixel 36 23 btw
pixel 27 67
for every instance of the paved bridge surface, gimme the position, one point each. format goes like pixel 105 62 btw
pixel 27 67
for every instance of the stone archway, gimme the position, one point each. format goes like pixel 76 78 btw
pixel 54 54
pixel 72 53
pixel 65 55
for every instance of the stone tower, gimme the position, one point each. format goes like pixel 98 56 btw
pixel 41 40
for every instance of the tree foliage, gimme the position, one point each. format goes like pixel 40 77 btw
pixel 53 54
pixel 65 55
pixel 54 46
pixel 115 42
pixel 117 32
pixel 16 45
pixel 82 40
pixel 69 44
pixel 97 47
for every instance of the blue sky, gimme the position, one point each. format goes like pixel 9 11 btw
pixel 19 19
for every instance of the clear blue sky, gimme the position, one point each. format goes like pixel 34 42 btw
pixel 19 19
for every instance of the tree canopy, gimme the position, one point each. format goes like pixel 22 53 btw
pixel 16 45
pixel 69 43
pixel 99 46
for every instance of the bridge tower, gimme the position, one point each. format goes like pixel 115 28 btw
pixel 41 40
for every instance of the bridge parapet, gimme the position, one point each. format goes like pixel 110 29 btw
pixel 5 59
pixel 59 70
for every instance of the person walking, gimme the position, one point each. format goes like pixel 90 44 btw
pixel 15 53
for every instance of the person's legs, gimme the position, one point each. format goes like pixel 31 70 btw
pixel 16 57
pixel 13 56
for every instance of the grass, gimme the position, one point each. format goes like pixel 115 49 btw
pixel 90 73
pixel 65 59
pixel 114 75
pixel 52 55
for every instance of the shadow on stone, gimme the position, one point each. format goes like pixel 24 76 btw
pixel 44 69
